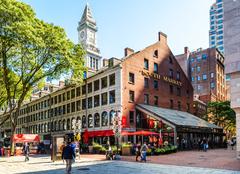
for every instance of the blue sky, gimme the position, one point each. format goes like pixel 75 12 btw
pixel 133 23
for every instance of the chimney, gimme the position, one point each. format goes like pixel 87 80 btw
pixel 128 51
pixel 186 50
pixel 162 37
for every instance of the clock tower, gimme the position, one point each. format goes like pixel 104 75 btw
pixel 87 36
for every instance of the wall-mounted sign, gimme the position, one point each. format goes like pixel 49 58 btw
pixel 159 77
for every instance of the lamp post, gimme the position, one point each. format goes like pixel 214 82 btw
pixel 116 120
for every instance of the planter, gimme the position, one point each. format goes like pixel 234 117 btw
pixel 126 150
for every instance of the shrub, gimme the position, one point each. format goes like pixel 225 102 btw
pixel 126 145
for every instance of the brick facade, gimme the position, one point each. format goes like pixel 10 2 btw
pixel 160 54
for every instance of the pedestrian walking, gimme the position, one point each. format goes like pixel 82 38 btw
pixel 68 155
pixel 137 151
pixel 26 151
pixel 144 149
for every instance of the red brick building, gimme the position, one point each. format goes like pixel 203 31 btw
pixel 153 76
pixel 205 69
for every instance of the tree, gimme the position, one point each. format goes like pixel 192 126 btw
pixel 30 51
pixel 221 114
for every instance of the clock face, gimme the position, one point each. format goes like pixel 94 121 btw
pixel 82 34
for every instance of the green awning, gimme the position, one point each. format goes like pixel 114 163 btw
pixel 178 118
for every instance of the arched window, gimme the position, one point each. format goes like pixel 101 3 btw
pixel 59 125
pixel 64 125
pixel 68 124
pixel 72 123
pixel 111 115
pixel 96 120
pixel 42 128
pixel 104 118
pixel 90 121
pixel 46 127
pixel 84 121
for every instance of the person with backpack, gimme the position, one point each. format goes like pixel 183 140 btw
pixel 143 150
pixel 68 155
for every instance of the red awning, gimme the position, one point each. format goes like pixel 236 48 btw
pixel 100 133
pixel 146 133
pixel 20 138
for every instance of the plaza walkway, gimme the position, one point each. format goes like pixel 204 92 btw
pixel 218 159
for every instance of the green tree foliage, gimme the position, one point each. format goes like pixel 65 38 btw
pixel 221 114
pixel 30 51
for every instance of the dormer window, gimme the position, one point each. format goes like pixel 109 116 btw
pixel 170 60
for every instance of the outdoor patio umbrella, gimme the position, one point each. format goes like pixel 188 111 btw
pixel 144 133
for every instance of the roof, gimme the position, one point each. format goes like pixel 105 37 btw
pixel 87 15
pixel 178 118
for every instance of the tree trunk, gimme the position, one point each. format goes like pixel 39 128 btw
pixel 12 145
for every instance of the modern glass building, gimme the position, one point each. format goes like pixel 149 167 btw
pixel 216 35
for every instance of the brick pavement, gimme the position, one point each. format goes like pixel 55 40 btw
pixel 218 158
pixel 93 164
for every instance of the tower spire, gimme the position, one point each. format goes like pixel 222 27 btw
pixel 87 16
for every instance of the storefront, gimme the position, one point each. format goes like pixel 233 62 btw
pixel 176 127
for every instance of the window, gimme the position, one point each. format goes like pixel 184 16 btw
pixel 198 78
pixel 178 75
pixel 146 84
pixel 68 95
pixel 204 77
pixel 171 104
pixel 96 100
pixel 55 100
pixel 131 96
pixel 155 68
pixel 63 97
pixel 90 102
pixel 90 121
pixel 112 79
pixel 131 78
pixel 199 59
pixel 155 54
pixel 59 98
pixel 68 108
pixel 155 84
pixel 171 89
pixel 104 118
pixel 146 64
pixel 204 56
pixel 111 115
pixel 104 82
pixel 212 85
pixel 89 87
pixel 72 93
pixel 192 69
pixel 212 75
pixel 220 32
pixel 156 100
pixel 146 98
pixel 199 88
pixel 78 91
pixel 96 85
pixel 170 60
pixel 83 89
pixel 188 94
pixel 84 121
pixel 170 73
pixel 78 105
pixel 178 91
pixel 112 96
pixel 198 69
pixel 96 120
pixel 83 104
pixel 131 117
pixel 73 106
pixel 104 98
pixel 179 106
pixel 192 59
